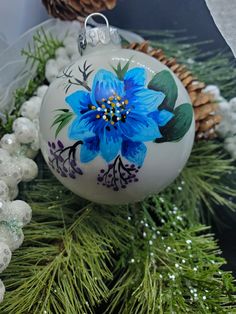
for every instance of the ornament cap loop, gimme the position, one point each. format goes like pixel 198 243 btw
pixel 99 36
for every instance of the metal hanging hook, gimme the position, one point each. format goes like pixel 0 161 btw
pixel 96 14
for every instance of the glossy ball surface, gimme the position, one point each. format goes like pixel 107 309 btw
pixel 116 126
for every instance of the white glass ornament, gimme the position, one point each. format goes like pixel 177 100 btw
pixel 13 237
pixel 4 191
pixel 5 256
pixel 28 167
pixel 10 143
pixel 2 291
pixel 116 125
pixel 24 130
pixel 31 108
pixel 20 212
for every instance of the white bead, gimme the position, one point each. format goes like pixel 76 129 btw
pixel 224 106
pixel 11 173
pixel 213 89
pixel 10 143
pixel 35 145
pixel 71 45
pixel 25 130
pixel 13 191
pixel 230 147
pixel 61 52
pixel 2 291
pixel 19 211
pixel 4 156
pixel 31 108
pixel 62 62
pixel 51 70
pixel 4 191
pixel 3 209
pixel 29 168
pixel 13 238
pixel 41 91
pixel 5 256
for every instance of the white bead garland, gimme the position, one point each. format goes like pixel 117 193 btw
pixel 16 165
pixel 227 127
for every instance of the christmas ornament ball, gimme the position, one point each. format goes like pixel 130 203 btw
pixel 116 125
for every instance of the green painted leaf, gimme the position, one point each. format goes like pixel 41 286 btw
pixel 120 72
pixel 164 82
pixel 176 129
pixel 63 124
pixel 62 120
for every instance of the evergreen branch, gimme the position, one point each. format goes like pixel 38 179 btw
pixel 202 184
pixel 42 49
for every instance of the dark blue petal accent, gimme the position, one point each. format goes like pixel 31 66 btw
pixel 146 100
pixel 110 143
pixel 134 152
pixel 106 84
pixel 89 149
pixel 135 79
pixel 82 127
pixel 139 128
pixel 161 117
pixel 79 102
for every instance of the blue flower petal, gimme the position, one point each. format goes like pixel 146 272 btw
pixel 134 152
pixel 89 149
pixel 161 117
pixel 83 127
pixel 106 84
pixel 146 100
pixel 110 143
pixel 135 79
pixel 79 102
pixel 139 128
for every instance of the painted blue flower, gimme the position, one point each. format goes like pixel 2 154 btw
pixel 116 117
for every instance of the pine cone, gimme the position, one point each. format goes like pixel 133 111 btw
pixel 75 9
pixel 205 106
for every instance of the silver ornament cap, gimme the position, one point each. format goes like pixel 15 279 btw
pixel 100 36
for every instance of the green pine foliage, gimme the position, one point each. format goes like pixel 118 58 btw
pixel 146 258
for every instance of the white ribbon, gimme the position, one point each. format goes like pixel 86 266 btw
pixel 224 15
